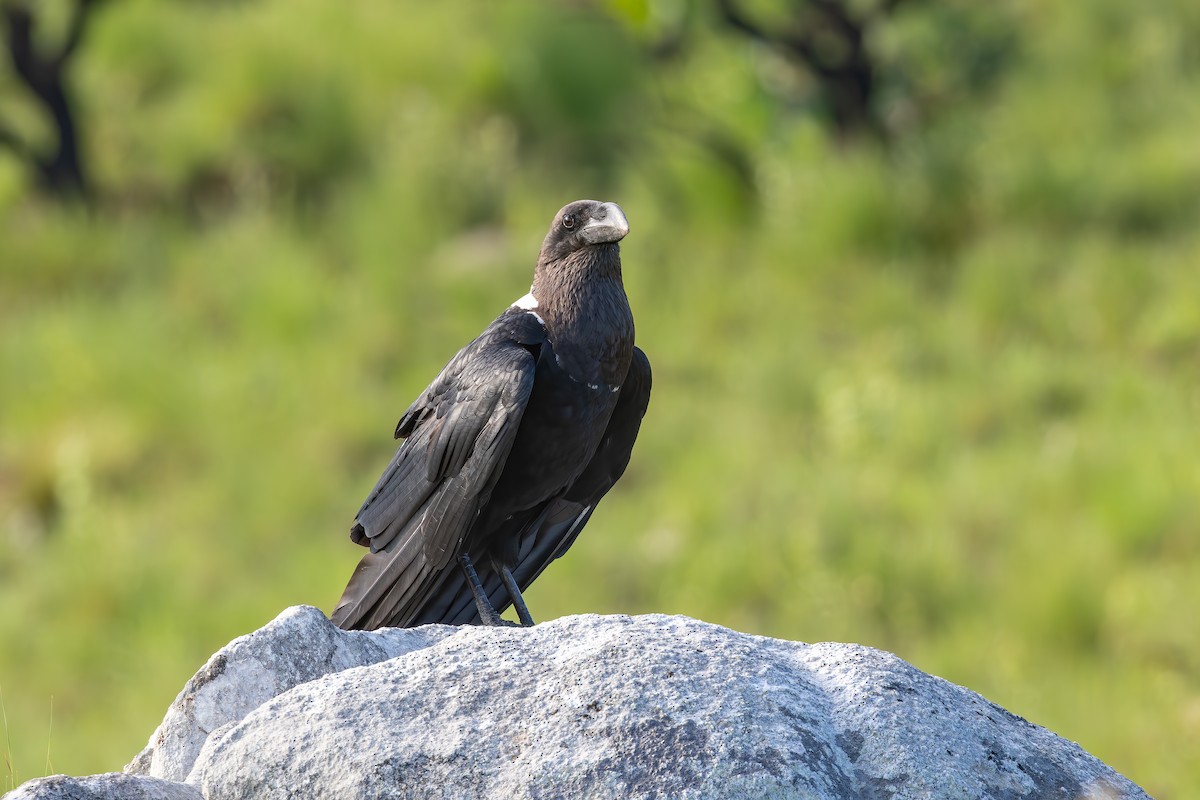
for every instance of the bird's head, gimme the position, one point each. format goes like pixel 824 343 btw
pixel 584 224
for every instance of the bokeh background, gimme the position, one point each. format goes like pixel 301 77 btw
pixel 920 282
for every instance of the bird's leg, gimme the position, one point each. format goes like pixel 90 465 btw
pixel 486 612
pixel 514 592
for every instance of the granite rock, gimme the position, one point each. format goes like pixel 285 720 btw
pixel 298 646
pixel 640 707
pixel 108 786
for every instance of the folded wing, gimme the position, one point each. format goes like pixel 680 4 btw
pixel 545 533
pixel 458 433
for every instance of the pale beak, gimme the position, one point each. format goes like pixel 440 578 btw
pixel 608 224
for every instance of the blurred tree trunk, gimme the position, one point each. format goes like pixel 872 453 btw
pixel 60 170
pixel 827 39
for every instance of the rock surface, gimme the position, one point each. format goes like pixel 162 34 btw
pixel 298 646
pixel 109 786
pixel 590 706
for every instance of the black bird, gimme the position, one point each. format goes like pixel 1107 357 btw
pixel 509 450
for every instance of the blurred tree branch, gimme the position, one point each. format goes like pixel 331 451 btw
pixel 43 71
pixel 828 40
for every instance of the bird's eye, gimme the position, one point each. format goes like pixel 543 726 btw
pixel 568 221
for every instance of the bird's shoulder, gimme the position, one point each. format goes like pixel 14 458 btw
pixel 505 353
pixel 516 325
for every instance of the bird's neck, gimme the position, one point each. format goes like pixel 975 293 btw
pixel 582 300
pixel 592 263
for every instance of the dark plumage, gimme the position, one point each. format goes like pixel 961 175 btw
pixel 509 450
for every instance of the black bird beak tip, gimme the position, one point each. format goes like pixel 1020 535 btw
pixel 607 224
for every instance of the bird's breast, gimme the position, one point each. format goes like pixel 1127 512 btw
pixel 560 430
pixel 569 408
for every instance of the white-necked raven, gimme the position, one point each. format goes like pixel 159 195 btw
pixel 509 450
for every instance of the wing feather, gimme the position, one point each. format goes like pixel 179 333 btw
pixel 548 531
pixel 459 434
pixel 556 529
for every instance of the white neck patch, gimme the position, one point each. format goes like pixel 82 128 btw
pixel 529 303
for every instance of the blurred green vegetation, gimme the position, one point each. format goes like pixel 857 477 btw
pixel 937 395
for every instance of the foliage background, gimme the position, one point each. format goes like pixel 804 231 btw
pixel 938 395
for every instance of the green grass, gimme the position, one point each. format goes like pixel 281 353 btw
pixel 10 770
pixel 940 400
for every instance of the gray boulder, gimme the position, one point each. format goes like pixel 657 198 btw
pixel 651 706
pixel 109 786
pixel 298 646
pixel 587 706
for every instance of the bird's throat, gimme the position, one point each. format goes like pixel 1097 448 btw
pixel 582 302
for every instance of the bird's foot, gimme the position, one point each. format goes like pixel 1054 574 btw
pixel 487 613
pixel 514 592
